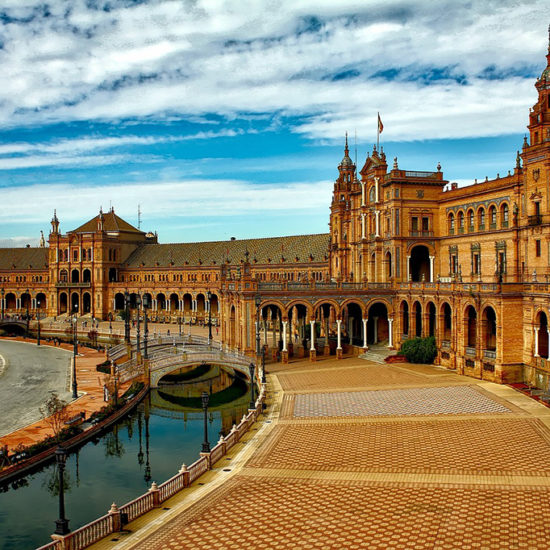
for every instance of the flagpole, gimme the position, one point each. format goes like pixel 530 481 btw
pixel 378 132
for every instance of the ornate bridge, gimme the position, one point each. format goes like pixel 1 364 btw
pixel 19 324
pixel 168 353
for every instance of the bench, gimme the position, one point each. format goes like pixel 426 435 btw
pixel 76 418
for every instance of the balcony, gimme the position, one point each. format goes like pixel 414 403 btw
pixel 65 284
pixel 415 233
pixel 489 354
pixel 471 351
pixel 534 220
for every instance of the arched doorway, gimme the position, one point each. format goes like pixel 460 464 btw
pixel 174 302
pixel 63 276
pixel 325 314
pixel 419 264
pixel 377 324
pixel 75 303
pixel 404 319
pixel 489 329
pixel 119 301
pixel 86 303
pixel 25 301
pixel 542 334
pixel 187 305
pixel 389 267
pixel 417 312
pixel 471 327
pixel 63 303
pixel 201 307
pixel 161 302
pixel 352 324
pixel 75 276
pixel 431 319
pixel 113 275
pixel 41 302
pixel 214 306
pixel 86 276
pixel 11 302
pixel 447 322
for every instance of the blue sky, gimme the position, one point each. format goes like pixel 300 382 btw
pixel 223 118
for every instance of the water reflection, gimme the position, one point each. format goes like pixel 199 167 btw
pixel 151 444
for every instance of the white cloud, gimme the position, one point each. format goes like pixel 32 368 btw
pixel 192 58
pixel 177 200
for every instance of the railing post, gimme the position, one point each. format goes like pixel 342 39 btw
pixel 116 521
pixel 208 459
pixel 156 494
pixel 185 472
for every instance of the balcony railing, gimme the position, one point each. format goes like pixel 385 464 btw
pixel 65 284
pixel 471 351
pixel 534 220
pixel 415 233
pixel 489 354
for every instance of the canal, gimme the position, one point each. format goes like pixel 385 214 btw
pixel 151 444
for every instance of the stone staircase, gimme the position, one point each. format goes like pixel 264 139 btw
pixel 378 353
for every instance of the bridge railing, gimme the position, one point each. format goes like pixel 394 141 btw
pixel 111 522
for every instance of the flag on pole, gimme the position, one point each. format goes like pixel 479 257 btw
pixel 380 125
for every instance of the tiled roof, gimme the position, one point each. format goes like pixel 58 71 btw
pixel 22 258
pixel 260 251
pixel 111 222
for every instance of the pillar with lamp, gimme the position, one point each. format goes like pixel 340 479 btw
pixel 206 444
pixel 252 384
pixel 37 322
pixel 145 304
pixel 75 351
pixel 62 523
pixel 28 317
pixel 209 297
pixel 138 304
pixel 127 317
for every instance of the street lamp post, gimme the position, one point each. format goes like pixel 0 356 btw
pixel 75 353
pixel 28 297
pixel 206 445
pixel 2 294
pixel 38 321
pixel 61 524
pixel 127 317
pixel 209 296
pixel 252 400
pixel 145 304
pixel 179 325
pixel 138 304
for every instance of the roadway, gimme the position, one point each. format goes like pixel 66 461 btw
pixel 28 373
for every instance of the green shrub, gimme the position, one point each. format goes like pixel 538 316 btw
pixel 419 350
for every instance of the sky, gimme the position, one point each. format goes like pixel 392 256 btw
pixel 219 119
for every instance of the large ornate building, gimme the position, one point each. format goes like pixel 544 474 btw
pixel 408 254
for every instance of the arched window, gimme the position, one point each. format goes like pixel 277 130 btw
pixel 451 223
pixel 504 215
pixel 493 217
pixel 461 222
pixel 470 220
pixel 481 219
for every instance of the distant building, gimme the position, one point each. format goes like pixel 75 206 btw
pixel 408 254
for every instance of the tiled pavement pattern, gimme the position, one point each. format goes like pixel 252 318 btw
pixel 252 513
pixel 369 375
pixel 451 446
pixel 409 476
pixel 413 401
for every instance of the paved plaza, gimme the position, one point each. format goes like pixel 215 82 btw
pixel 425 460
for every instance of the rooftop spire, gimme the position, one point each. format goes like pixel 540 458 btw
pixel 346 150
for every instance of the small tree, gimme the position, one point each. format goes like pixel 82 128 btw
pixel 55 413
pixel 419 350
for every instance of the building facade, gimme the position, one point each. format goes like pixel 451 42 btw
pixel 408 254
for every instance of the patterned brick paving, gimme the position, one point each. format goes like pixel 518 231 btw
pixel 498 447
pixel 360 377
pixel 413 401
pixel 259 513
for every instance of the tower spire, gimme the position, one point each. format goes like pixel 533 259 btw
pixel 346 149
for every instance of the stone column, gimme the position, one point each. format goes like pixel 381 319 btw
pixel 536 329
pixel 312 351
pixel 377 223
pixel 265 331
pixel 284 352
pixel 408 268
pixel 365 321
pixel 376 190
pixel 362 193
pixel 390 332
pixel 363 232
pixel 339 339
pixel 432 258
